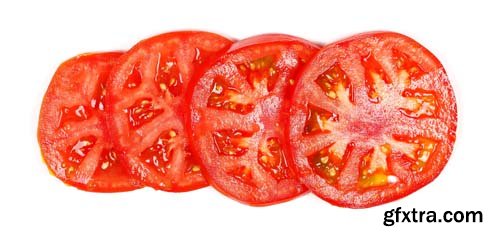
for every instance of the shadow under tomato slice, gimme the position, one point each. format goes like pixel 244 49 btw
pixel 72 130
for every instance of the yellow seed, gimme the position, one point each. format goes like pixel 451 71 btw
pixel 264 159
pixel 195 168
pixel 71 169
pixel 424 156
pixel 272 71
pixel 230 151
pixel 418 166
pixel 403 74
pixel 172 133
pixel 375 76
pixel 172 81
pixel 385 148
pixel 332 172
pixel 218 89
pixel 163 86
pixel 105 165
pixel 331 94
pixel 324 160
pixel 377 179
pixel 273 141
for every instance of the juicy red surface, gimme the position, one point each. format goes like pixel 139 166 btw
pixel 71 129
pixel 364 121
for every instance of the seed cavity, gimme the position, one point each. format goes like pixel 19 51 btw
pixel 142 112
pixel 134 78
pixel 374 171
pixel 232 142
pixel 74 114
pixel 419 103
pixel 375 77
pixel 329 161
pixel 81 148
pixel 161 152
pixel 243 174
pixel 418 150
pixel 407 68
pixel 336 85
pixel 261 71
pixel 319 120
pixel 229 98
pixel 108 159
pixel 97 101
pixel 168 76
pixel 272 158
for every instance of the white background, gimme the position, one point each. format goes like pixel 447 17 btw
pixel 37 36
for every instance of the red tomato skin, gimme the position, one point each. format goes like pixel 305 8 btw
pixel 341 199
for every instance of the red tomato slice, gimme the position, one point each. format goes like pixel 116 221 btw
pixel 237 119
pixel 147 99
pixel 72 132
pixel 373 119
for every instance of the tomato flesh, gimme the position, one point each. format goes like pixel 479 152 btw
pixel 146 116
pixel 72 129
pixel 373 119
pixel 237 115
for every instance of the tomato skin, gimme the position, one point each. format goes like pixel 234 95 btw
pixel 181 47
pixel 222 181
pixel 66 81
pixel 352 196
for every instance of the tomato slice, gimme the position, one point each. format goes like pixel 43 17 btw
pixel 147 92
pixel 237 119
pixel 72 132
pixel 373 119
